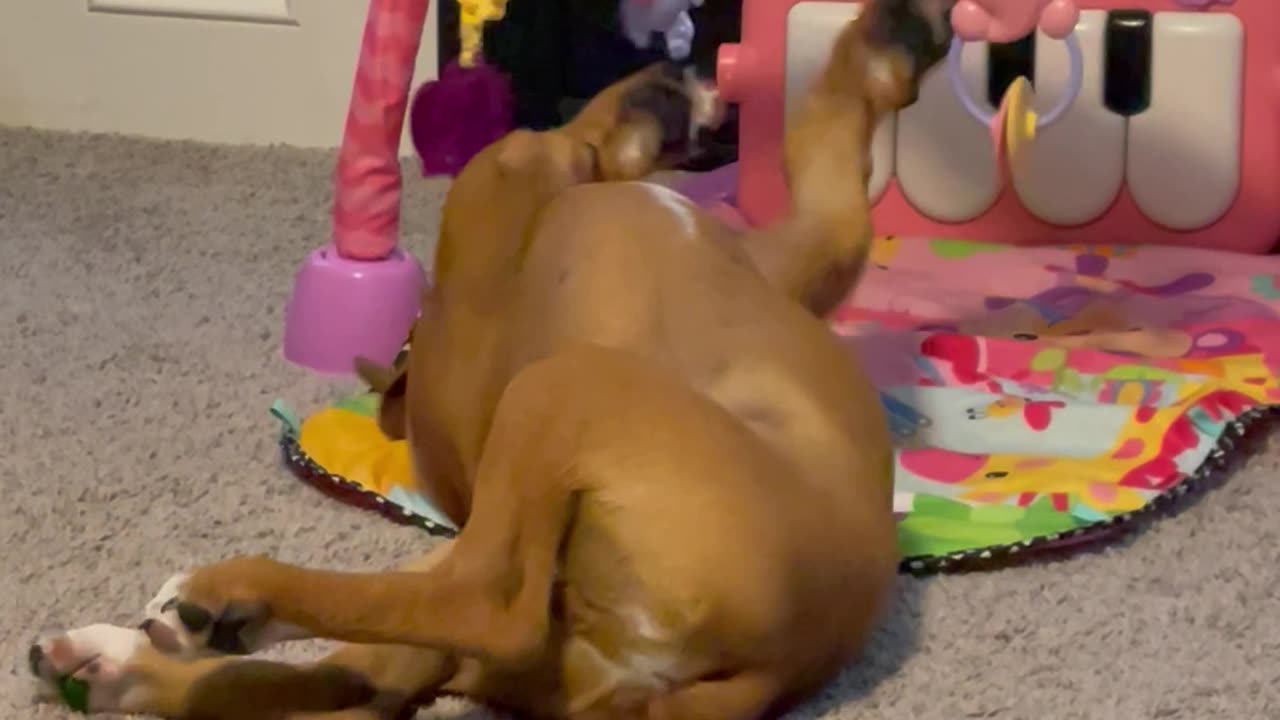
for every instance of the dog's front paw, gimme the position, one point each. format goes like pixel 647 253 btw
pixel 224 608
pixel 682 104
pixel 919 29
pixel 662 115
pixel 98 668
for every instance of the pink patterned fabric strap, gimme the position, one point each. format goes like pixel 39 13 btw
pixel 366 202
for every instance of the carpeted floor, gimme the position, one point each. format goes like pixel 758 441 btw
pixel 141 287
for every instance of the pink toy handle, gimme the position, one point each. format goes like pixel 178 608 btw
pixel 1002 21
pixel 366 200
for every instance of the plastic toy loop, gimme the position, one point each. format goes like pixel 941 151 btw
pixel 1075 80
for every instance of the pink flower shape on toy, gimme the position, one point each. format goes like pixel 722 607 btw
pixel 1008 20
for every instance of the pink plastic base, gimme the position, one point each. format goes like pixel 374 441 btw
pixel 341 309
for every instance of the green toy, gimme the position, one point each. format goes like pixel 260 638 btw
pixel 74 693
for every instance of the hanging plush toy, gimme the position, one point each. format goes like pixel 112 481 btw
pixel 471 104
pixel 641 19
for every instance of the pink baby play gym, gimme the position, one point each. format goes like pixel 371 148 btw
pixel 1070 310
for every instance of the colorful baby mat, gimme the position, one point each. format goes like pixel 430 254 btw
pixel 1045 398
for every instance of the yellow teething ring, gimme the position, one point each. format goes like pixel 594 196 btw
pixel 1020 120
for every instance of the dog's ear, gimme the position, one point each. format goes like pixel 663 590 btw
pixel 378 378
pixel 390 385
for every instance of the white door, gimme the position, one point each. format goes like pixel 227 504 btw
pixel 227 71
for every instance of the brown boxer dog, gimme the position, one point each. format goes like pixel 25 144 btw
pixel 673 484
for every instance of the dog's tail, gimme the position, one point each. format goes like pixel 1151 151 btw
pixel 817 254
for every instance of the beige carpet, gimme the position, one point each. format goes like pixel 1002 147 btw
pixel 141 287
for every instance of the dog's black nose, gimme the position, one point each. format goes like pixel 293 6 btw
pixel 35 658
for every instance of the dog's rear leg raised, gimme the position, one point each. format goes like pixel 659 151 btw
pixel 817 254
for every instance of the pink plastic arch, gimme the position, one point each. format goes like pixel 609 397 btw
pixel 366 198
pixel 1007 20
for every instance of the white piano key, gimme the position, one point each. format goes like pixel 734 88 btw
pixel 1075 168
pixel 1184 151
pixel 812 28
pixel 945 162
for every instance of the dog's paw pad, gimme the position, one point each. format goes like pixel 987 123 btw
pixel 191 616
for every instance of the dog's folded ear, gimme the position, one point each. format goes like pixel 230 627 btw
pixel 390 385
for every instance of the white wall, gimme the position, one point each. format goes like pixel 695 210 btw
pixel 281 73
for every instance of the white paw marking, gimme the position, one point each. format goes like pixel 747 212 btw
pixel 98 655
pixel 165 629
pixel 108 641
pixel 169 634
pixel 75 649
pixel 168 591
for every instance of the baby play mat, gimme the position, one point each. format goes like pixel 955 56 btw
pixel 1045 398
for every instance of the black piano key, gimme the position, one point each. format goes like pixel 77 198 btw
pixel 1007 62
pixel 1126 88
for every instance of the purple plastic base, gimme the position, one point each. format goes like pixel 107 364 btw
pixel 712 187
pixel 342 309
pixel 717 193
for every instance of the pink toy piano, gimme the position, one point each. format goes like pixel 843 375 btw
pixel 1158 122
